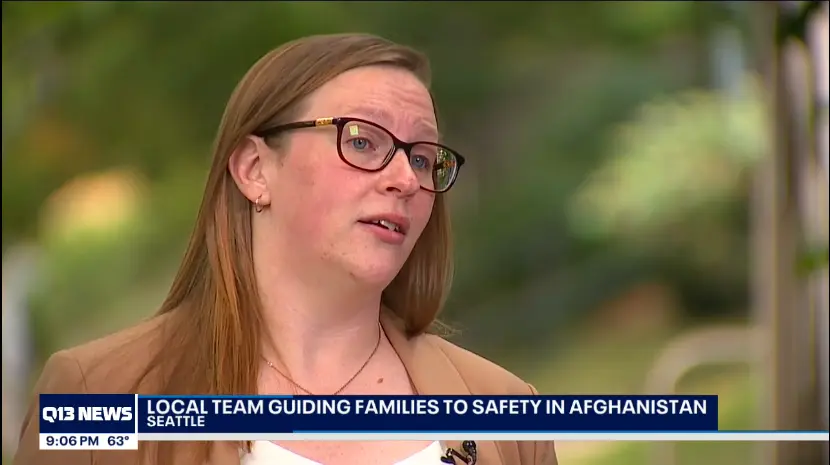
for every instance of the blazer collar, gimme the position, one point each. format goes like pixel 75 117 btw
pixel 428 367
pixel 432 373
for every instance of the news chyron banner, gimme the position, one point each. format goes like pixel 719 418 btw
pixel 120 421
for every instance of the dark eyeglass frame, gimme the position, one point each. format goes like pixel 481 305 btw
pixel 397 144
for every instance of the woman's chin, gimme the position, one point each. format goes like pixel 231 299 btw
pixel 374 273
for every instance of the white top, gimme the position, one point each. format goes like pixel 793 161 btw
pixel 268 453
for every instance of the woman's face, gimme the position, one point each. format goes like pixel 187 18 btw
pixel 325 211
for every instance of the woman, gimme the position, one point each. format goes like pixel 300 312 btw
pixel 320 258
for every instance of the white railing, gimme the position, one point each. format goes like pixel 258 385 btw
pixel 717 345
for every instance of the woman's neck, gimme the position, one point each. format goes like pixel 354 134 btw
pixel 312 332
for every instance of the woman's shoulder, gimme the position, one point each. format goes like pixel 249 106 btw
pixel 109 364
pixel 482 376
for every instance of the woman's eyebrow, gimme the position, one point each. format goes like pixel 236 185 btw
pixel 385 118
pixel 372 113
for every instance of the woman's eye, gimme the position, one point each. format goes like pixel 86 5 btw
pixel 420 162
pixel 360 143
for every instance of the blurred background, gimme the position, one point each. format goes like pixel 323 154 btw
pixel 644 208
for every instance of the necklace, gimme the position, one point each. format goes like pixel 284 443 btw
pixel 344 386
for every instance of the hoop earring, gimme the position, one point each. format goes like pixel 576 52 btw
pixel 257 206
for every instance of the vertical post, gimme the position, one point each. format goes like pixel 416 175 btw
pixel 816 210
pixel 763 235
pixel 771 224
pixel 19 271
pixel 784 211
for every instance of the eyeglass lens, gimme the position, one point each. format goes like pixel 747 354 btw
pixel 368 146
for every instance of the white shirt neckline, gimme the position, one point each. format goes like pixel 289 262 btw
pixel 266 453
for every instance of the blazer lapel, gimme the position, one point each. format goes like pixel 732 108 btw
pixel 432 373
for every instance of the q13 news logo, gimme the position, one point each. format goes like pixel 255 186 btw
pixel 53 414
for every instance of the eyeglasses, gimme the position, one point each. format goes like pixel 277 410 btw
pixel 370 147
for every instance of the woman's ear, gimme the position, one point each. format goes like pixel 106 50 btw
pixel 247 167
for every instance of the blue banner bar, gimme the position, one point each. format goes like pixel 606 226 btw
pixel 425 413
pixel 355 414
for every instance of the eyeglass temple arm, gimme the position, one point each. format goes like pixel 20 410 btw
pixel 297 125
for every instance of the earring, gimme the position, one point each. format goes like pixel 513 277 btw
pixel 257 206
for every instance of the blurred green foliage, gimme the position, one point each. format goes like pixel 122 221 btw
pixel 812 259
pixel 537 95
pixel 677 159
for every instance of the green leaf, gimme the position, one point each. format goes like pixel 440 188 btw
pixel 812 259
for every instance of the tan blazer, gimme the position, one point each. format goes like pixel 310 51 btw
pixel 111 365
